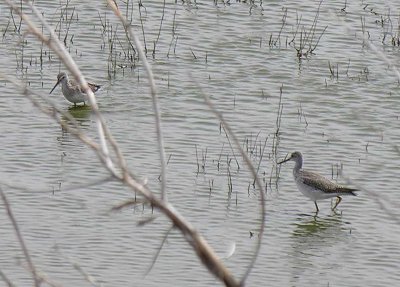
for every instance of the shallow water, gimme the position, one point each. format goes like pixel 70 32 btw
pixel 342 121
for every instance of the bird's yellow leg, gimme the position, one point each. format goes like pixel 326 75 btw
pixel 316 205
pixel 338 200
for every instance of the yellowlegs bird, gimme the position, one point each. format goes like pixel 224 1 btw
pixel 315 186
pixel 71 90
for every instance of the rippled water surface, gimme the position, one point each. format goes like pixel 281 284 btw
pixel 339 107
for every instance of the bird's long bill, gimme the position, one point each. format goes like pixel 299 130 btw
pixel 55 85
pixel 285 160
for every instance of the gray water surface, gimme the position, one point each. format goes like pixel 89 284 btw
pixel 344 119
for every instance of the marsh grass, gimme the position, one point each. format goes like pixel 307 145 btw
pixel 124 53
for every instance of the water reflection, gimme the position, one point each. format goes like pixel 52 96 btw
pixel 80 113
pixel 314 239
pixel 79 117
pixel 309 226
pixel 69 146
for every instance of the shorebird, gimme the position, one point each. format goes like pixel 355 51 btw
pixel 71 90
pixel 314 185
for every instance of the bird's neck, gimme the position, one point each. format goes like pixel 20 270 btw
pixel 298 165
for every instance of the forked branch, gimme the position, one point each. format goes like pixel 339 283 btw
pixel 198 243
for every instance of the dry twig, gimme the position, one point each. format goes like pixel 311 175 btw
pixel 198 243
pixel 20 238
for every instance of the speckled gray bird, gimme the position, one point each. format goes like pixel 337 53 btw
pixel 315 186
pixel 71 90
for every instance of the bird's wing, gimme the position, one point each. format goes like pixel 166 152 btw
pixel 318 181
pixel 92 86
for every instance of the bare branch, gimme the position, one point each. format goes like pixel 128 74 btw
pixel 146 220
pixel 43 277
pixel 89 278
pixel 159 250
pixel 198 243
pixel 128 203
pixel 6 280
pixel 254 174
pixel 56 45
pixel 68 188
pixel 53 113
pixel 20 238
pixel 153 92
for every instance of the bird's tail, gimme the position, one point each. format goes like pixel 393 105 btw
pixel 346 190
pixel 94 87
